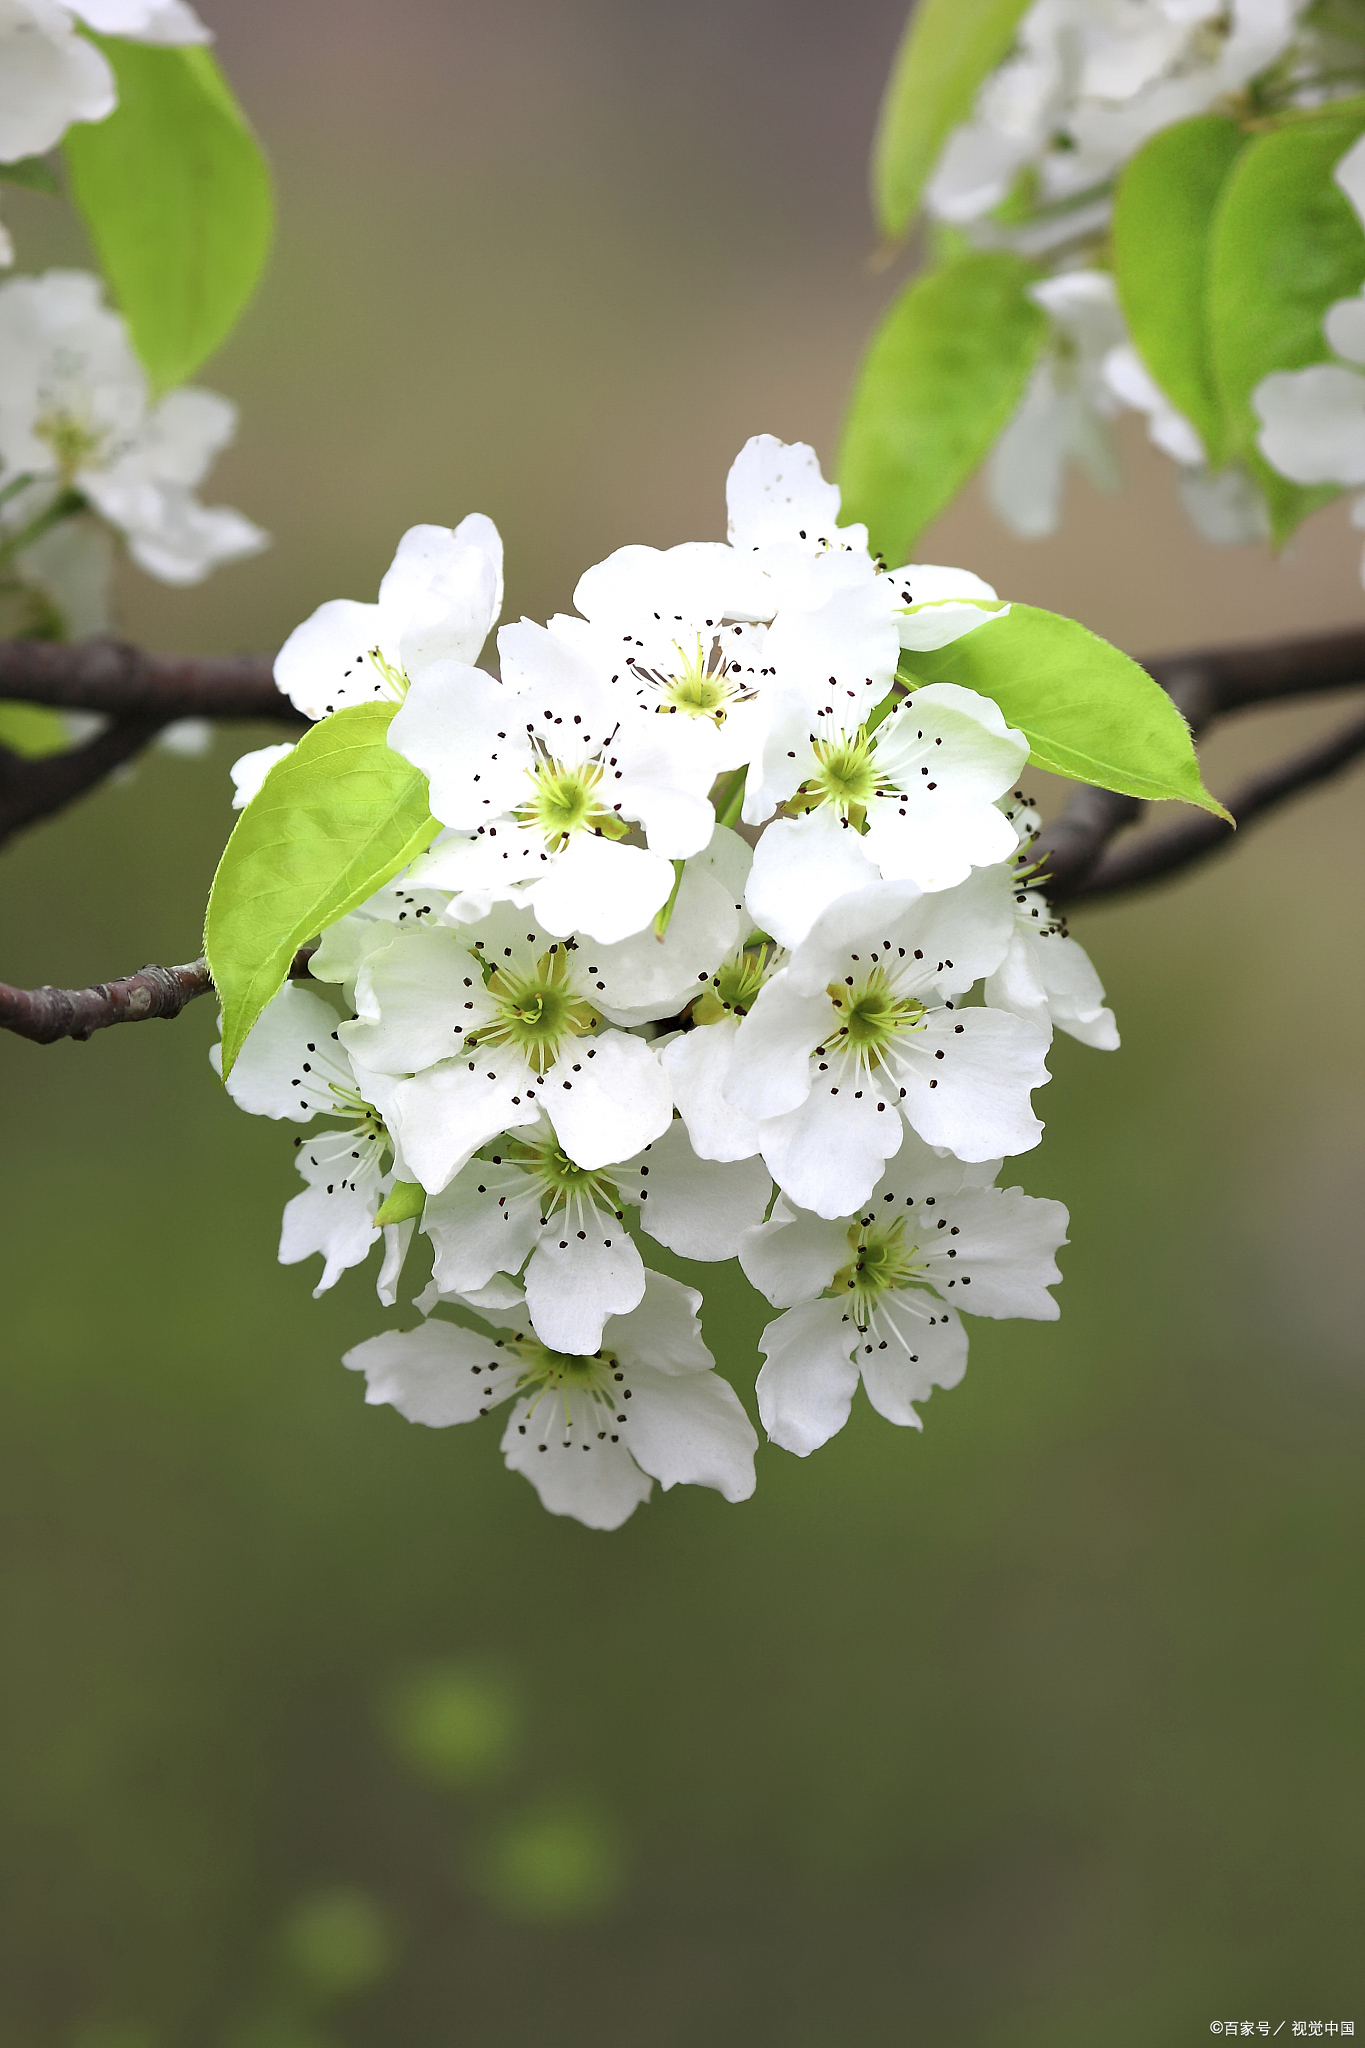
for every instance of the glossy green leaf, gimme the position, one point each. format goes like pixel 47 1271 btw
pixel 946 51
pixel 331 823
pixel 944 372
pixel 1163 225
pixel 1286 244
pixel 176 195
pixel 1087 710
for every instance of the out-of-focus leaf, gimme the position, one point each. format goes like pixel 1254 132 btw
pixel 943 374
pixel 176 195
pixel 1286 244
pixel 33 171
pixel 1163 223
pixel 1086 709
pixel 32 730
pixel 946 51
pixel 331 823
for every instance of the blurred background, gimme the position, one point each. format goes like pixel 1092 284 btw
pixel 1040 1728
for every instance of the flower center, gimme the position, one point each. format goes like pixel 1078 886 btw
pixel 564 800
pixel 563 1182
pixel 537 1010
pixel 882 1262
pixel 700 688
pixel 871 1017
pixel 394 679
pixel 846 776
pixel 734 986
pixel 562 1372
pixel 73 444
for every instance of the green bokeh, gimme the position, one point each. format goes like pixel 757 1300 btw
pixel 457 1723
pixel 555 1864
pixel 337 1942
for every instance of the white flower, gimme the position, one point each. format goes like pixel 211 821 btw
pixel 644 978
pixel 144 21
pixel 75 414
pixel 492 1025
pixel 590 1432
pixel 524 1198
pixel 698 1061
pixel 859 1030
pixel 1063 411
pixel 879 1294
pixel 437 602
pixel 541 783
pixel 49 77
pixel 920 792
pixel 293 1066
pixel 1046 976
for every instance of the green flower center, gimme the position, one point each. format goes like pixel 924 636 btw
pixel 871 1017
pixel 700 688
pixel 734 986
pixel 565 800
pixel 394 679
pixel 561 1372
pixel 537 1010
pixel 846 777
pixel 563 1183
pixel 73 444
pixel 882 1262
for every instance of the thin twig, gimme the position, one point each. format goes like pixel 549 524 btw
pixel 34 789
pixel 1130 865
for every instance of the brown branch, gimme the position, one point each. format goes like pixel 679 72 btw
pixel 34 789
pixel 109 676
pixel 47 1014
pixel 1130 865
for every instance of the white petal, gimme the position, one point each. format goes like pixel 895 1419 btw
pixel 443 591
pixel 397 1238
pixel 443 1116
pixel 975 1100
pixel 581 1273
pixel 665 768
pixel 806 1387
pixel 1025 467
pixel 642 978
pixel 487 1221
pixel 609 1101
pixel 829 1154
pixel 1349 174
pixel 1048 974
pixel 770 1059
pixel 250 770
pixel 337 1221
pixel 575 1473
pixel 436 1374
pixel 775 492
pixel 920 1176
pixel 663 1332
pixel 1313 423
pixel 467 734
pixel 801 866
pixel 697 1207
pixel 48 79
pixel 952 936
pixel 1344 326
pixel 795 1256
pixel 1006 1244
pixel 911 1346
pixel 325 662
pixel 865 921
pixel 290 1058
pixel 697 1063
pixel 690 1429
pixel 601 888
pixel 418 997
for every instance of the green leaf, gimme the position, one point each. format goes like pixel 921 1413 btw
pixel 1163 224
pixel 176 195
pixel 33 171
pixel 331 823
pixel 32 730
pixel 944 372
pixel 946 51
pixel 1087 711
pixel 1286 244
pixel 405 1198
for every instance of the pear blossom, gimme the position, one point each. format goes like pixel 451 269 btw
pixel 483 1029
pixel 524 1202
pixel 879 1295
pixel 438 601
pixel 859 1031
pixel 1046 976
pixel 540 784
pixel 249 771
pixel 294 1067
pixel 590 1431
pixel 698 1061
pixel 50 75
pixel 76 417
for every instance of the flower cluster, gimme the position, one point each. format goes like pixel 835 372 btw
pixel 1086 85
pixel 728 942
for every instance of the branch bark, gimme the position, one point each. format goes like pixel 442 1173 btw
pixel 47 1014
pixel 110 676
pixel 34 789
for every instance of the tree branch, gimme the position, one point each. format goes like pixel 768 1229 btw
pixel 109 676
pixel 34 789
pixel 1196 837
pixel 47 1014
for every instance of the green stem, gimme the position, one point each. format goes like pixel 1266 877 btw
pixel 663 917
pixel 15 485
pixel 732 803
